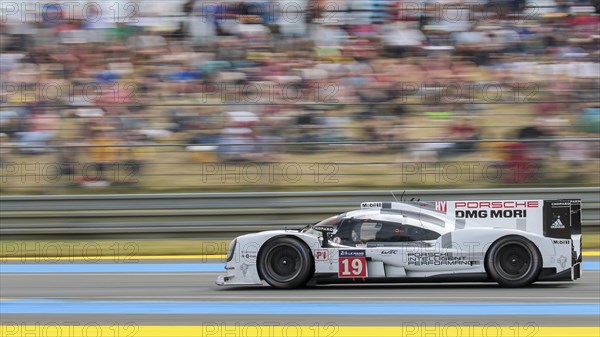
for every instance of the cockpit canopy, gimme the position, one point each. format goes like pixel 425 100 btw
pixel 366 227
pixel 351 231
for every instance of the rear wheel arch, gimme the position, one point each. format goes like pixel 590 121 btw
pixel 522 245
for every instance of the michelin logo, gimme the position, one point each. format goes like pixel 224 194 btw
pixel 557 224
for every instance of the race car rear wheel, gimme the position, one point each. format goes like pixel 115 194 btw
pixel 513 261
pixel 285 263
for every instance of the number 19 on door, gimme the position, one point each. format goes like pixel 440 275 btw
pixel 352 263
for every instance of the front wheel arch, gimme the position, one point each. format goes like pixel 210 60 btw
pixel 261 251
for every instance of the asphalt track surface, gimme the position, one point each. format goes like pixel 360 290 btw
pixel 192 299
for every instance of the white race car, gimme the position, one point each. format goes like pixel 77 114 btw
pixel 512 242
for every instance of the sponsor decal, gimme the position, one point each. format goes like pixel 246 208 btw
pixel 561 242
pixel 389 252
pixel 497 204
pixel 495 213
pixel 562 260
pixel 371 205
pixel 352 263
pixel 557 224
pixel 328 229
pixel 429 259
pixel 321 255
pixel 557 219
pixel 441 206
pixel 352 253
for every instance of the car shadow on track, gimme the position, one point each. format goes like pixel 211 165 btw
pixel 402 286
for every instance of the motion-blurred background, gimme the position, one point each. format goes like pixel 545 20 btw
pixel 158 96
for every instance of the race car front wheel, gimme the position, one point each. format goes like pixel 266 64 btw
pixel 285 263
pixel 513 261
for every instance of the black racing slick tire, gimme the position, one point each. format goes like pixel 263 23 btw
pixel 513 261
pixel 285 263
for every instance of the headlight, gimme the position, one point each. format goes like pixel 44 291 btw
pixel 231 249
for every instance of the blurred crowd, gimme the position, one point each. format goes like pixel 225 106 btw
pixel 237 79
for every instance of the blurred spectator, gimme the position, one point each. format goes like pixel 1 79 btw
pixel 103 155
pixel 41 126
pixel 462 133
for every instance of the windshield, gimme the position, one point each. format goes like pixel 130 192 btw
pixel 329 222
